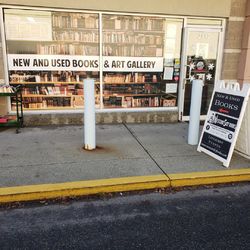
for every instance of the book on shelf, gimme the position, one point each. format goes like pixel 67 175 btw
pixel 145 102
pixel 149 24
pixel 50 91
pixel 67 49
pixel 6 88
pixel 78 101
pixel 132 102
pixel 7 118
pixel 74 20
pixel 44 90
pixel 125 78
pixel 118 51
pixel 169 102
pixel 127 102
pixel 57 90
pixel 53 89
pixel 117 24
pixel 115 101
pixel 121 37
pixel 39 102
pixel 76 36
pixel 139 77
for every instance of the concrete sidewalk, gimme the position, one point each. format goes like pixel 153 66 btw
pixel 49 155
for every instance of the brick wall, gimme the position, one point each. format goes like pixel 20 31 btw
pixel 233 40
pixel 244 61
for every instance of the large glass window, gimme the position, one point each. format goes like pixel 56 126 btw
pixel 142 56
pixel 49 54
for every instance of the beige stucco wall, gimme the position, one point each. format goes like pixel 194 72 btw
pixel 216 8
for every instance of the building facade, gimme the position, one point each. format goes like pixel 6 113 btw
pixel 142 55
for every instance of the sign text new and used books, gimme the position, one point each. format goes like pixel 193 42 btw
pixel 223 121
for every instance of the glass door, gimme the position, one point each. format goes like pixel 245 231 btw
pixel 200 57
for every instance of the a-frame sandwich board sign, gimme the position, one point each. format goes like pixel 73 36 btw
pixel 224 118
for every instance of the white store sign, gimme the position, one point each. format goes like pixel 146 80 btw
pixel 28 62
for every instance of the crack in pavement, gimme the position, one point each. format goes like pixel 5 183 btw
pixel 145 150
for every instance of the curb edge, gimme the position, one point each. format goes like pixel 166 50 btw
pixel 81 188
pixel 135 183
pixel 209 178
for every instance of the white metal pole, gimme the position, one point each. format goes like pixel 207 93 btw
pixel 101 61
pixel 89 114
pixel 195 109
pixel 4 51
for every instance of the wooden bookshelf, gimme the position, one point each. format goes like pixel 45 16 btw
pixel 134 31
pixel 57 41
pixel 48 96
pixel 44 83
pixel 74 28
pixel 57 108
pixel 134 95
pixel 81 83
pixel 131 35
pixel 50 108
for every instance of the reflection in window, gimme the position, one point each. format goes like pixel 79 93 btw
pixel 141 58
pixel 53 37
pixel 152 46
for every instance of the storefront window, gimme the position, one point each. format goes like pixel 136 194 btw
pixel 141 61
pixel 50 54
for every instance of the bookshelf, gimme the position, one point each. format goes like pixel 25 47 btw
pixel 132 90
pixel 55 89
pixel 133 36
pixel 73 34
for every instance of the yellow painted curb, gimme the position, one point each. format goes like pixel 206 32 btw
pixel 210 177
pixel 50 191
pixel 80 188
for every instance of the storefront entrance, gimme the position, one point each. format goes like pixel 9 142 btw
pixel 201 60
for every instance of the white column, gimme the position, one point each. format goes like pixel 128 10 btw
pixel 89 114
pixel 195 109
